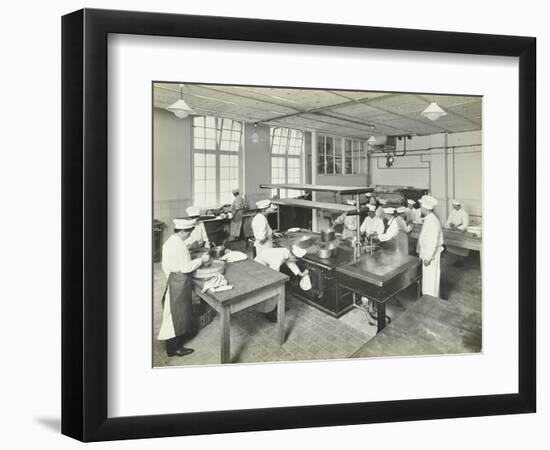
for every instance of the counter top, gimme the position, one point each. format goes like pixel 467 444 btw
pixel 314 205
pixel 379 267
pixel 247 277
pixel 453 238
pixel 343 256
pixel 320 188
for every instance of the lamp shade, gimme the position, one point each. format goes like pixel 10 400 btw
pixel 371 140
pixel 180 109
pixel 433 111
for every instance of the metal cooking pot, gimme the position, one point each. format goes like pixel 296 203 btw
pixel 328 235
pixel 324 252
pixel 333 247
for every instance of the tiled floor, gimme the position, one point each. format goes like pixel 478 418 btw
pixel 311 334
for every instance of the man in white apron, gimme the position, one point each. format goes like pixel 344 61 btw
pixel 177 266
pixel 430 246
pixel 392 230
pixel 237 209
pixel 372 225
pixel 350 223
pixel 410 213
pixel 198 237
pixel 269 256
pixel 402 237
pixel 458 220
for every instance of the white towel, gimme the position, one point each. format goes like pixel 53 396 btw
pixel 234 256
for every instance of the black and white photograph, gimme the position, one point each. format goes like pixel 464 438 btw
pixel 300 224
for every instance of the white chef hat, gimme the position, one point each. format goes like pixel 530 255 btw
pixel 456 202
pixel 372 208
pixel 389 210
pixel 263 204
pixel 428 202
pixel 235 191
pixel 193 211
pixel 184 224
pixel 383 201
pixel 351 202
pixel 298 251
pixel 410 201
pixel 401 209
pixel 368 194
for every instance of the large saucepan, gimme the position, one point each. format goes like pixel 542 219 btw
pixel 328 235
pixel 324 252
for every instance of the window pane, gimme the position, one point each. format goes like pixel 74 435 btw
pixel 210 122
pixel 329 149
pixel 199 143
pixel 338 155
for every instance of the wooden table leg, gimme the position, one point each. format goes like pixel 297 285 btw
pixel 281 315
pixel 225 322
pixel 381 319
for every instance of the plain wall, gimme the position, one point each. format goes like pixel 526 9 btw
pixel 449 170
pixel 172 166
pixel 257 163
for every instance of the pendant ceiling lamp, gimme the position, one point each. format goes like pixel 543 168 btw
pixel 180 109
pixel 371 140
pixel 255 137
pixel 433 111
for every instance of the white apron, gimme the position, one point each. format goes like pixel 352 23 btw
pixel 431 275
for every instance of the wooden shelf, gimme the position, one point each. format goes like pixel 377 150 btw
pixel 314 205
pixel 320 188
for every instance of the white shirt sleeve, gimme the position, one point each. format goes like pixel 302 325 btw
pixel 392 231
pixel 363 227
pixel 204 236
pixel 176 257
pixel 340 219
pixel 261 229
pixel 429 240
pixel 465 221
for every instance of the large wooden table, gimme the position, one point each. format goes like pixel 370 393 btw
pixel 252 283
pixel 453 238
pixel 431 326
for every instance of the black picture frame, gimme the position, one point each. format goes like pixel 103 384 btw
pixel 84 224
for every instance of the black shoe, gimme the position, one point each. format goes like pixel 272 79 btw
pixel 182 351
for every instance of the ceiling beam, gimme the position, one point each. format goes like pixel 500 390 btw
pixel 378 125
